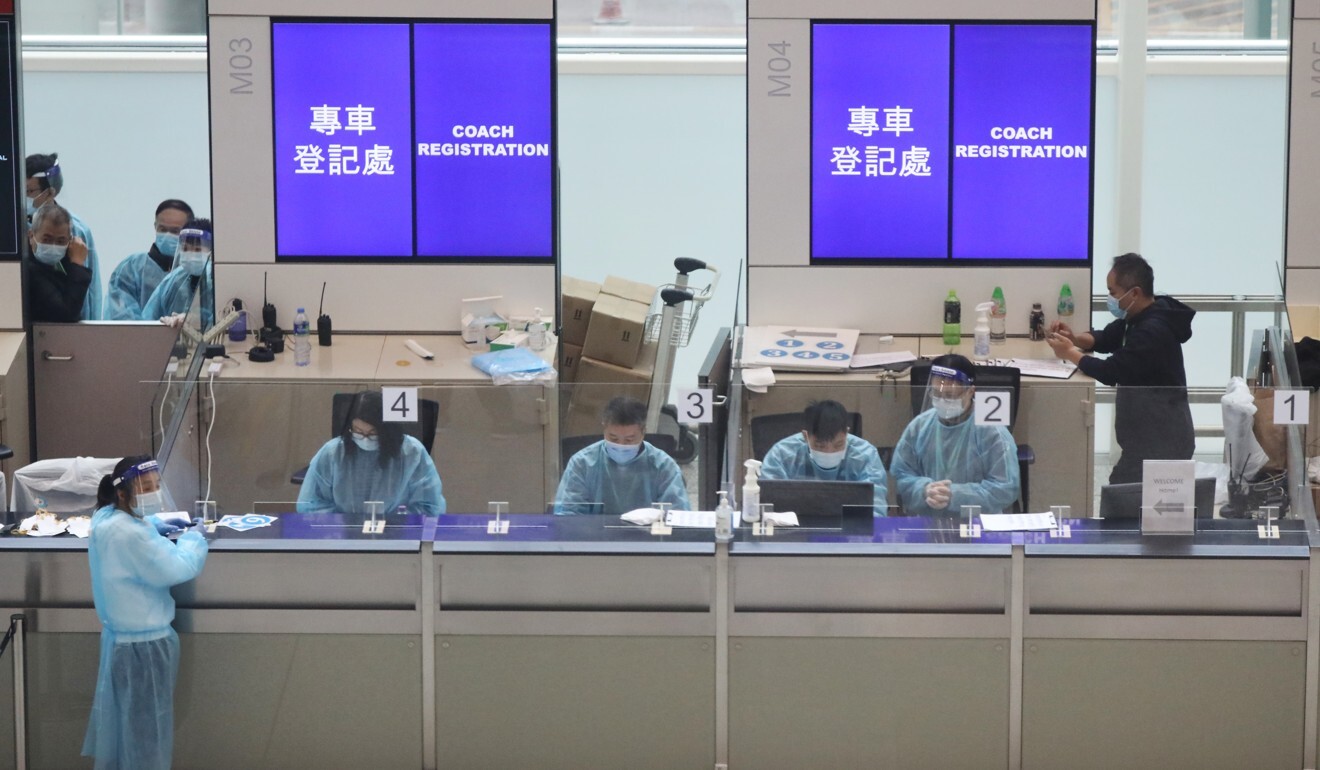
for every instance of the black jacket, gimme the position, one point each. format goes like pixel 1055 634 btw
pixel 1152 418
pixel 56 293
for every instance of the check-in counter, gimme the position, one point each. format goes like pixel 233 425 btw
pixel 1055 417
pixel 13 405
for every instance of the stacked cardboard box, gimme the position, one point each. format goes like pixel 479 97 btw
pixel 604 355
pixel 618 319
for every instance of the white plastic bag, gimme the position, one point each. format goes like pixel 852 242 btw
pixel 1242 451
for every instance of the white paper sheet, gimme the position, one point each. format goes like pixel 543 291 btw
pixel 864 360
pixel 1017 522
pixel 1053 368
pixel 696 519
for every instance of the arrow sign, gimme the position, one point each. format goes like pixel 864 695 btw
pixel 1162 507
pixel 794 333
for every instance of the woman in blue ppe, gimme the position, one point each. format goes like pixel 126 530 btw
pixel 944 460
pixel 44 183
pixel 622 472
pixel 192 273
pixel 825 450
pixel 133 281
pixel 133 566
pixel 371 460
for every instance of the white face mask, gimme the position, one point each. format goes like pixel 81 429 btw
pixel 49 253
pixel 947 408
pixel 622 453
pixel 366 443
pixel 828 461
pixel 193 262
pixel 148 504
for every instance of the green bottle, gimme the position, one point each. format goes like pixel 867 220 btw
pixel 952 319
pixel 1066 305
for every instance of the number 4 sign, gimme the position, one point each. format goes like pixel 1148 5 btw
pixel 993 407
pixel 400 404
pixel 1292 407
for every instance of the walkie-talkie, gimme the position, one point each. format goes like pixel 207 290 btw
pixel 323 323
pixel 269 318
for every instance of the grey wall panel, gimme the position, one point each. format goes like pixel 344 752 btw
pixel 1303 242
pixel 778 155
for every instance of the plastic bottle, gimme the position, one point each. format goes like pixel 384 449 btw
pixel 998 318
pixel 981 334
pixel 238 332
pixel 536 332
pixel 952 319
pixel 1066 304
pixel 1036 323
pixel 751 500
pixel 302 339
pixel 724 519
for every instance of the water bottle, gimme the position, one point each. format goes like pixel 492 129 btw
pixel 302 339
pixel 952 319
pixel 998 318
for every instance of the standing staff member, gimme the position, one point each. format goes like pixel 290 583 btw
pixel 132 283
pixel 1152 419
pixel 133 566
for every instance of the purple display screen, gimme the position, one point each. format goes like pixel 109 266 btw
pixel 434 142
pixel 965 141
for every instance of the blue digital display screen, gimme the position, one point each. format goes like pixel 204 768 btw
pixel 413 140
pixel 964 142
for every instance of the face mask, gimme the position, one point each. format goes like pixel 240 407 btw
pixel 167 243
pixel 1115 308
pixel 827 461
pixel 622 453
pixel 148 504
pixel 947 408
pixel 193 262
pixel 49 253
pixel 366 443
pixel 31 206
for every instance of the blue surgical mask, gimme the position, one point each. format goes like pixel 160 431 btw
pixel 167 243
pixel 828 461
pixel 148 504
pixel 947 408
pixel 49 253
pixel 622 453
pixel 193 262
pixel 366 443
pixel 1115 308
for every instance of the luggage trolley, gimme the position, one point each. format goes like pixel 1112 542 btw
pixel 672 319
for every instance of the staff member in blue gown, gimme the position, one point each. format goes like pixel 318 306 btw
pixel 133 281
pixel 944 460
pixel 45 181
pixel 371 460
pixel 622 472
pixel 133 566
pixel 192 273
pixel 827 451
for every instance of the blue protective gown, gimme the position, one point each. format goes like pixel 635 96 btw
pixel 133 567
pixel 131 285
pixel 175 295
pixel 92 305
pixel 980 460
pixel 791 459
pixel 594 483
pixel 339 483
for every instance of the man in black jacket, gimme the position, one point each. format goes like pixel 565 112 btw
pixel 1152 419
pixel 57 274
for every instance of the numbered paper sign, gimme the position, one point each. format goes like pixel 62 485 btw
pixel 1292 407
pixel 993 407
pixel 400 404
pixel 695 405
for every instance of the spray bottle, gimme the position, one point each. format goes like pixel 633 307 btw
pixel 724 519
pixel 751 499
pixel 981 334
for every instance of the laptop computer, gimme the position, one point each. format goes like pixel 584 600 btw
pixel 828 504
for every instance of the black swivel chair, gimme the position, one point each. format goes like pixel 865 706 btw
pixel 988 378
pixel 770 429
pixel 423 430
pixel 5 452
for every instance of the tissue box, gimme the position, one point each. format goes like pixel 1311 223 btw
pixel 509 340
pixel 578 299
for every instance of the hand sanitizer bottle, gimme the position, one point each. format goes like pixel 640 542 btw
pixel 724 519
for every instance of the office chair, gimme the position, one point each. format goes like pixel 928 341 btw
pixel 988 378
pixel 770 429
pixel 5 452
pixel 423 430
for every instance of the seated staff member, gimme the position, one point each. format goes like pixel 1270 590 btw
pixel 944 461
pixel 45 181
pixel 133 567
pixel 622 472
pixel 827 451
pixel 133 281
pixel 1152 416
pixel 58 276
pixel 192 273
pixel 371 460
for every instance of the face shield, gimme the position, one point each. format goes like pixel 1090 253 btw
pixel 949 393
pixel 142 483
pixel 194 251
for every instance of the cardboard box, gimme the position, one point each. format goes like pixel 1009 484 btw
pixel 568 369
pixel 578 299
pixel 616 331
pixel 629 290
pixel 599 381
